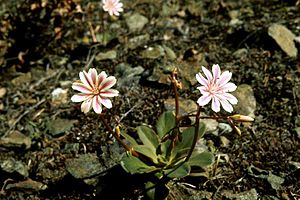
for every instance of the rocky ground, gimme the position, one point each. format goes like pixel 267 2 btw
pixel 49 149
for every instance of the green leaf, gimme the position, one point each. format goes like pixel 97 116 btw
pixel 128 138
pixel 201 159
pixel 178 172
pixel 165 123
pixel 187 139
pixel 148 136
pixel 134 165
pixel 202 129
pixel 146 151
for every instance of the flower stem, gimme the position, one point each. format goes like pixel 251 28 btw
pixel 116 135
pixel 195 134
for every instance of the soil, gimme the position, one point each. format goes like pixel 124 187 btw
pixel 47 43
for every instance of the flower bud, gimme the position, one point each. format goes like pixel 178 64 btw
pixel 242 118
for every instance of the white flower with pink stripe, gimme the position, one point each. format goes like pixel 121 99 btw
pixel 113 7
pixel 215 88
pixel 95 90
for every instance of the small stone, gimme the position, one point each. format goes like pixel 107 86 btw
pixel 138 41
pixel 170 53
pixel 11 165
pixel 59 126
pixel 275 181
pixel 284 38
pixel 246 101
pixel 240 53
pixel 211 125
pixel 59 96
pixel 2 92
pixel 128 76
pixel 225 128
pixel 153 52
pixel 85 166
pixel 16 140
pixel 224 141
pixel 109 55
pixel 22 79
pixel 27 185
pixel 136 22
pixel 247 195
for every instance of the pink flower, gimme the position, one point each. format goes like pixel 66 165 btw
pixel 94 90
pixel 215 88
pixel 113 7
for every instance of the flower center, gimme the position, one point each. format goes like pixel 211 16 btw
pixel 213 88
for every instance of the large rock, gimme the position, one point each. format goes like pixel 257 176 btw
pixel 246 101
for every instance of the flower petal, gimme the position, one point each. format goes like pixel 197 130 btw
pixel 207 74
pixel 108 83
pixel 97 105
pixel 79 97
pixel 226 105
pixel 106 102
pixel 86 80
pixel 229 87
pixel 94 76
pixel 203 100
pixel 229 97
pixel 216 71
pixel 102 76
pixel 81 88
pixel 86 105
pixel 203 90
pixel 215 104
pixel 201 79
pixel 109 93
pixel 224 78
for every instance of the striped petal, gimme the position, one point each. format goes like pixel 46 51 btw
pixel 86 80
pixel 106 102
pixel 226 105
pixel 201 79
pixel 94 76
pixel 207 74
pixel 224 78
pixel 86 105
pixel 203 100
pixel 79 97
pixel 102 76
pixel 97 105
pixel 215 104
pixel 81 88
pixel 203 90
pixel 108 83
pixel 229 87
pixel 109 93
pixel 229 97
pixel 216 71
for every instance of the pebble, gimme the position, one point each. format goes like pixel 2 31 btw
pixel 59 96
pixel 109 55
pixel 16 140
pixel 136 22
pixel 85 166
pixel 284 38
pixel 59 126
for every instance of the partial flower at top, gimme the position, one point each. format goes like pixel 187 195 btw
pixel 215 88
pixel 95 90
pixel 113 7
